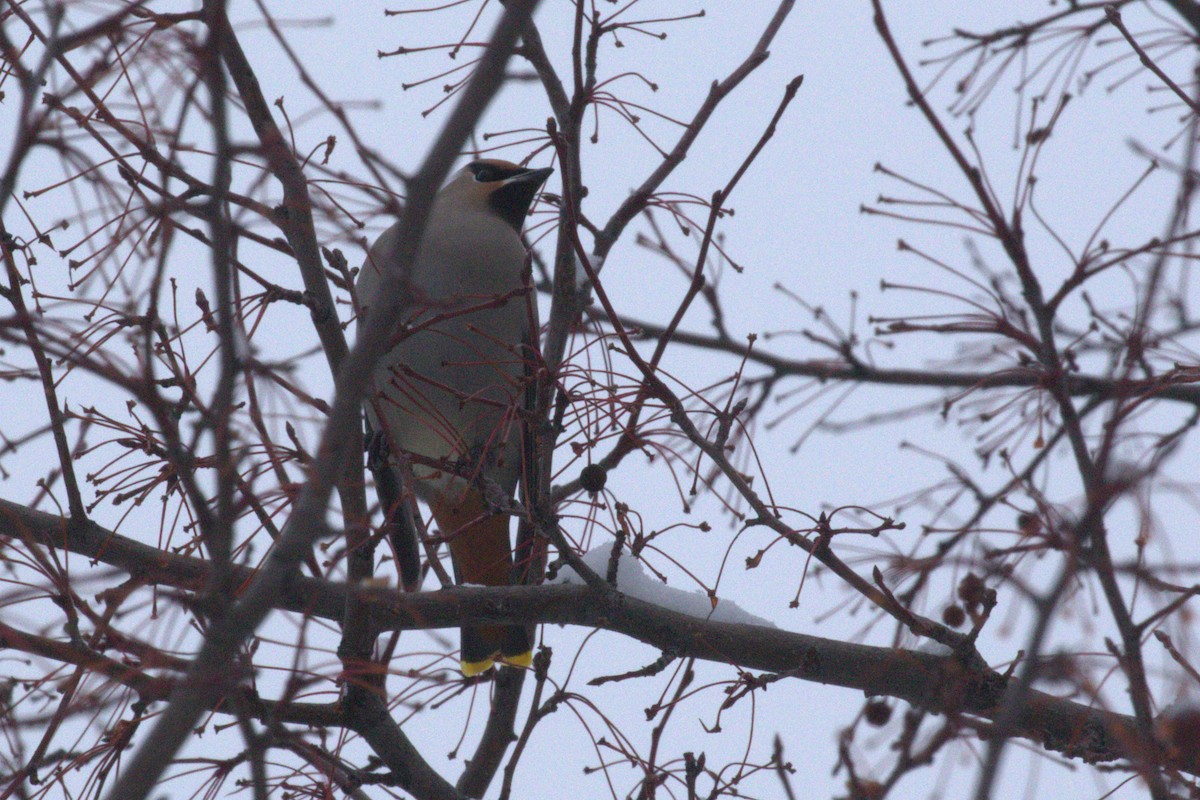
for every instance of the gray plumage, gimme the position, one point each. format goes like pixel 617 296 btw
pixel 451 388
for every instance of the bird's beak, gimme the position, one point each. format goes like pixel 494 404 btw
pixel 531 177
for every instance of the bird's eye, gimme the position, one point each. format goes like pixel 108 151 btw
pixel 485 173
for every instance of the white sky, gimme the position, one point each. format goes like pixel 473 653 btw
pixel 797 223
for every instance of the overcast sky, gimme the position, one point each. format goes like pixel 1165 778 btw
pixel 798 224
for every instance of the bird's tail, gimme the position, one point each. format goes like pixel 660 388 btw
pixel 482 555
pixel 484 645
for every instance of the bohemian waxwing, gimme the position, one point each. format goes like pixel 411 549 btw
pixel 451 389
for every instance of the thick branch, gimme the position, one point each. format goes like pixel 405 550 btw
pixel 938 683
pixel 210 675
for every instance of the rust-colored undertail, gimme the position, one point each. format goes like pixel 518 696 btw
pixel 479 544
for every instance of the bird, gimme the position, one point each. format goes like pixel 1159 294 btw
pixel 450 391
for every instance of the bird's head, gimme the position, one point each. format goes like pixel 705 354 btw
pixel 501 186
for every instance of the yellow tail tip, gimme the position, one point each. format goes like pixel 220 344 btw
pixel 520 660
pixel 472 668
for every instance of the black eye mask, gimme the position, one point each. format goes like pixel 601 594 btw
pixel 486 172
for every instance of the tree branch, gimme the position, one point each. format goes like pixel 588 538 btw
pixel 937 683
pixel 210 677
